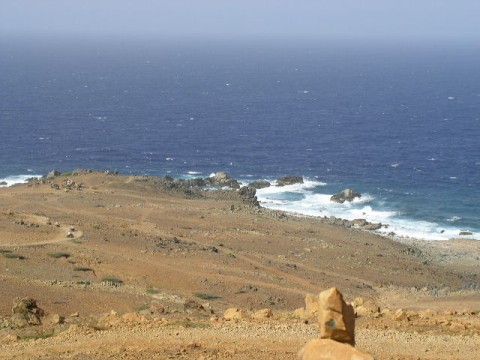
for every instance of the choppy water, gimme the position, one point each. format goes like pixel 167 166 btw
pixel 398 123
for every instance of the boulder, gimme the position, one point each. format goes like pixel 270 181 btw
pixel 311 304
pixel 465 233
pixel 359 222
pixel 53 174
pixel 365 307
pixel 259 184
pixel 336 318
pixel 372 226
pixel 345 195
pixel 289 180
pixel 331 350
pixel 262 314
pixel 26 309
pixel 3 183
pixel 232 314
pixel 400 315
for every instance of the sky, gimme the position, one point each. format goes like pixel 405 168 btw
pixel 352 19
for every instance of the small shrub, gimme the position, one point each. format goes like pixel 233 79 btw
pixel 37 336
pixel 206 296
pixel 5 251
pixel 153 291
pixel 82 268
pixel 10 255
pixel 58 255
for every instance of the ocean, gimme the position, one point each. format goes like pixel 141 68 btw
pixel 397 122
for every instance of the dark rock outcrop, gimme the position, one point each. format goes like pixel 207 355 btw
pixel 53 174
pixel 26 312
pixel 345 195
pixel 289 180
pixel 222 179
pixel 259 184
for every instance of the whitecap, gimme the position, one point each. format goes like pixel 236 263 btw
pixel 17 179
pixel 194 172
pixel 395 165
pixel 454 218
pixel 169 159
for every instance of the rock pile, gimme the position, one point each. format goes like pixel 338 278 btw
pixel 337 331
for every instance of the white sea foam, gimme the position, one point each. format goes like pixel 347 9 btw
pixel 17 179
pixel 454 218
pixel 194 172
pixel 301 199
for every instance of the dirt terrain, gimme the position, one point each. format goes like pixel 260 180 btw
pixel 126 267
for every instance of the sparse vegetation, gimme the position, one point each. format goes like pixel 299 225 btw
pixel 205 296
pixel 4 251
pixel 58 255
pixel 83 282
pixel 187 324
pixel 112 280
pixel 10 255
pixel 82 268
pixel 153 291
pixel 37 336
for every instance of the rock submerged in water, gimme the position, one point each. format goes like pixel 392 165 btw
pixel 345 195
pixel 289 180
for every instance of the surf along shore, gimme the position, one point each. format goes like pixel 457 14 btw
pixel 170 256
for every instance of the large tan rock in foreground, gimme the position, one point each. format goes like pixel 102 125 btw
pixel 335 317
pixel 329 350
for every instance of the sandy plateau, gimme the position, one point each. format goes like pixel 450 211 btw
pixel 148 272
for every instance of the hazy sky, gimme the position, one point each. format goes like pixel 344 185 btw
pixel 405 19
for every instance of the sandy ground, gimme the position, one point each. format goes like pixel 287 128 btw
pixel 138 247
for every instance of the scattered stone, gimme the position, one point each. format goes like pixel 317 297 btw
pixel 233 314
pixel 336 318
pixel 10 338
pixel 75 314
pixel 70 235
pixel 262 314
pixel 289 180
pixel 328 349
pixel 55 319
pixel 345 195
pixel 157 308
pixel 133 318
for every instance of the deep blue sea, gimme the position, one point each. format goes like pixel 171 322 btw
pixel 399 123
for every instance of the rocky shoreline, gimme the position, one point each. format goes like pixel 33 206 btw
pixel 200 267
